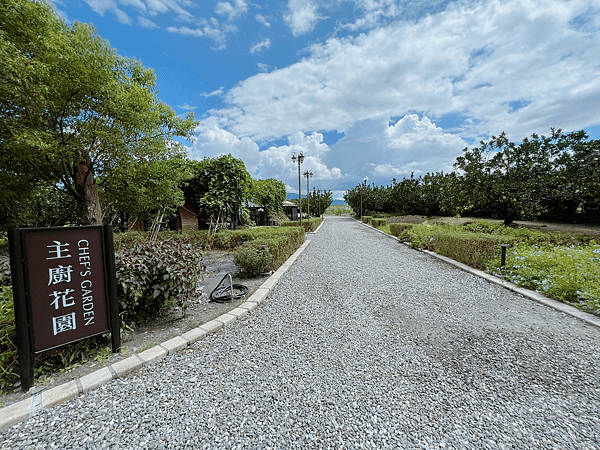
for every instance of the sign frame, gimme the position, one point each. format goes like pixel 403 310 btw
pixel 94 261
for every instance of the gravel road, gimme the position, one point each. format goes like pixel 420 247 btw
pixel 364 343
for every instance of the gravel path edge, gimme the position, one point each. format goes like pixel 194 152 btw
pixel 25 409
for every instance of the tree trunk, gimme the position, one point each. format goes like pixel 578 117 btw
pixel 88 199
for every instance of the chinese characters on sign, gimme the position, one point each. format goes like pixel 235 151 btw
pixel 67 286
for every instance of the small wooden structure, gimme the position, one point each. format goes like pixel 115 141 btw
pixel 291 210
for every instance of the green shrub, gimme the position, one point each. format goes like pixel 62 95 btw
pixel 472 249
pixel 366 219
pixel 9 373
pixel 5 278
pixel 156 276
pixel 397 228
pixel 308 225
pixel 252 260
pixel 377 222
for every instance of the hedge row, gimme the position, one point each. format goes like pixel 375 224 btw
pixel 308 225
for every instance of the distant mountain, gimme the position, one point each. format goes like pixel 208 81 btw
pixel 295 197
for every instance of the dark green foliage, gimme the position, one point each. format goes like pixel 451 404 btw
pixel 218 188
pixel 542 177
pixel 378 222
pixel 252 260
pixel 308 225
pixel 397 228
pixel 319 201
pixel 366 219
pixel 155 276
pixel 472 249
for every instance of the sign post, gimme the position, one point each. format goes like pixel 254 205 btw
pixel 64 289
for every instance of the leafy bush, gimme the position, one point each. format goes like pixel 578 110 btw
pixel 155 276
pixel 397 228
pixel 377 222
pixel 366 219
pixel 8 339
pixel 472 249
pixel 570 274
pixel 308 225
pixel 252 260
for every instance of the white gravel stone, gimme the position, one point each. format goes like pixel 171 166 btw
pixel 363 343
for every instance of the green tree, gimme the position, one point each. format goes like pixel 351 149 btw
pixel 511 180
pixel 219 188
pixel 72 110
pixel 270 194
pixel 320 201
pixel 143 188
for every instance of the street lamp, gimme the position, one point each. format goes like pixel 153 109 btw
pixel 307 174
pixel 299 158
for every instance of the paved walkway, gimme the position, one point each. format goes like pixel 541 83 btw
pixel 363 343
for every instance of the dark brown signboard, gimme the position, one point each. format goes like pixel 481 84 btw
pixel 64 289
pixel 66 281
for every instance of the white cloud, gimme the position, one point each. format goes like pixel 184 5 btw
pixel 187 107
pixel 473 59
pixel 146 23
pixel 273 162
pixel 149 7
pixel 302 16
pixel 209 30
pixel 262 20
pixel 232 10
pixel 263 67
pixel 260 46
pixel 214 93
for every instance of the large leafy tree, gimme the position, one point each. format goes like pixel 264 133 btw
pixel 508 179
pixel 72 110
pixel 270 194
pixel 219 187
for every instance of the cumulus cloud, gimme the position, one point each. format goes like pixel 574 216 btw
pixel 473 59
pixel 272 162
pixel 260 46
pixel 302 16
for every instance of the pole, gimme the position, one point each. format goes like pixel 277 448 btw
pixel 299 192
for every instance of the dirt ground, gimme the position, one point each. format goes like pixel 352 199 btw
pixel 548 227
pixel 156 331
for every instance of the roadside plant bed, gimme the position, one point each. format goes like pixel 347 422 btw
pixel 559 266
pixel 309 225
pixel 154 278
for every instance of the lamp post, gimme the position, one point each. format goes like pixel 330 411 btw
pixel 299 158
pixel 308 173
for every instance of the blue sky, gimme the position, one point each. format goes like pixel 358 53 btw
pixel 366 89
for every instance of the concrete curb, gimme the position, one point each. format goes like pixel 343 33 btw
pixel 25 409
pixel 532 295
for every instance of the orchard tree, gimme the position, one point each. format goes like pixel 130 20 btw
pixel 270 194
pixel 511 180
pixel 320 201
pixel 72 110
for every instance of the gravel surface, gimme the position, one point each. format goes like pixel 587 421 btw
pixel 364 343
